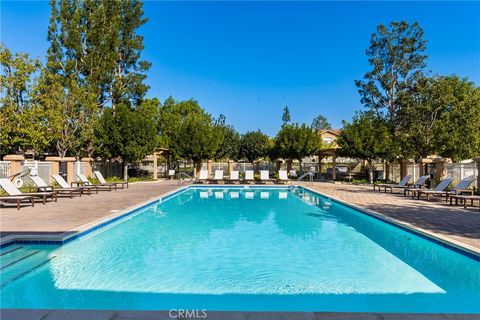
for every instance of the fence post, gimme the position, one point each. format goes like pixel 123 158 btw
pixel 15 162
pixel 88 166
pixel 477 160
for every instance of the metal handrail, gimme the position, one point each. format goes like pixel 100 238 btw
pixel 310 177
pixel 185 175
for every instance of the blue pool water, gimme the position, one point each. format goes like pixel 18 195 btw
pixel 243 249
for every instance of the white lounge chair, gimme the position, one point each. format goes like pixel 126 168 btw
pixel 43 186
pixel 441 186
pixel 402 184
pixel 203 176
pixel 218 177
pixel 249 177
pixel 234 176
pixel 102 180
pixel 10 188
pixel 64 184
pixel 84 182
pixel 282 176
pixel 265 176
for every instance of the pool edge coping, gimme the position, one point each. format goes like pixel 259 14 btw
pixel 90 227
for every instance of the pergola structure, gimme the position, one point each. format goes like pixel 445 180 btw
pixel 329 137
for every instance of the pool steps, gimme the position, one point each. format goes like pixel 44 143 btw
pixel 31 260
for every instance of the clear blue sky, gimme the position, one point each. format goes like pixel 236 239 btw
pixel 248 60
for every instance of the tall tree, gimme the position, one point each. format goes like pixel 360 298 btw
pixel 254 145
pixel 366 138
pixel 94 45
pixel 22 121
pixel 396 55
pixel 295 141
pixel 321 123
pixel 286 115
pixel 130 133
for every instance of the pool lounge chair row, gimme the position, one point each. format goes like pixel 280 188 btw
pixel 460 192
pixel 45 191
pixel 235 177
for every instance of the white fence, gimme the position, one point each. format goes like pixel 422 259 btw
pixel 462 170
pixel 43 169
pixel 79 167
pixel 5 169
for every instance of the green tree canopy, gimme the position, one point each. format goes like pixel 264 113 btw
pixel 229 146
pixel 22 121
pixel 440 115
pixel 459 134
pixel 367 137
pixel 254 145
pixel 130 133
pixel 189 131
pixel 295 141
pixel 321 123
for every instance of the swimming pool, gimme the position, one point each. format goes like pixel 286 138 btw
pixel 250 249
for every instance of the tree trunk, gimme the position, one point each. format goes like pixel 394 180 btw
pixel 289 165
pixel 198 167
pixel 370 171
pixel 125 170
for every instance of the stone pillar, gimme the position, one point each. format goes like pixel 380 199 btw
pixel 55 164
pixel 477 160
pixel 71 174
pixel 230 166
pixel 88 166
pixel 15 162
pixel 209 168
pixel 404 167
pixel 334 167
pixel 387 170
pixel 320 164
pixel 155 166
pixel 440 168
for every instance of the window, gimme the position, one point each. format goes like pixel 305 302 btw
pixel 328 140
